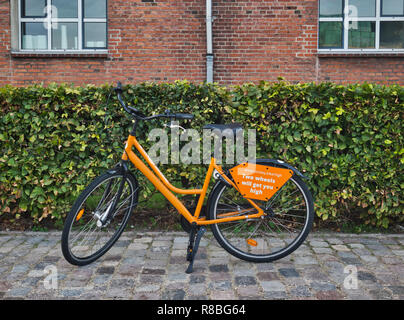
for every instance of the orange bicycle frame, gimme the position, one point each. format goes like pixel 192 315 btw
pixel 166 188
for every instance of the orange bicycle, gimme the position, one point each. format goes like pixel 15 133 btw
pixel 258 211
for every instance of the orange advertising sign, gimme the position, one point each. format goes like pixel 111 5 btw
pixel 259 182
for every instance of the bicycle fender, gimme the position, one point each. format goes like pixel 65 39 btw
pixel 122 168
pixel 218 182
pixel 279 163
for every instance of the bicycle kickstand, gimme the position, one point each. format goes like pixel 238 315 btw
pixel 193 246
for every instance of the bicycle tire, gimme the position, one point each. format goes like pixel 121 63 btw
pixel 242 254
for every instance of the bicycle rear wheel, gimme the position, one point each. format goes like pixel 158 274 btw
pixel 91 229
pixel 288 219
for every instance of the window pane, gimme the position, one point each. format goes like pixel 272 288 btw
pixel 361 35
pixel 330 35
pixel 392 34
pixel 34 36
pixel 393 7
pixel 331 8
pixel 362 8
pixel 95 9
pixel 64 9
pixel 95 35
pixel 64 36
pixel 33 8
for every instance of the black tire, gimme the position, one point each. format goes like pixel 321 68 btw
pixel 85 203
pixel 234 244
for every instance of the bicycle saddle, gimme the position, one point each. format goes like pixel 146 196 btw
pixel 223 128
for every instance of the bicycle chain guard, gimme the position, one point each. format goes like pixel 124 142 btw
pixel 259 182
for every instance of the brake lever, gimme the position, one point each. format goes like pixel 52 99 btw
pixel 171 126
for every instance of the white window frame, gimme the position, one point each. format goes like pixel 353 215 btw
pixel 80 20
pixel 345 22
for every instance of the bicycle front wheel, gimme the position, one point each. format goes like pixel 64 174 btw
pixel 287 221
pixel 91 228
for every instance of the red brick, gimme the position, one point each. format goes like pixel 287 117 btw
pixel 165 41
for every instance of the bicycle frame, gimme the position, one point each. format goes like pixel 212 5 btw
pixel 166 188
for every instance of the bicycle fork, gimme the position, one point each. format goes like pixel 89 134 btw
pixel 107 215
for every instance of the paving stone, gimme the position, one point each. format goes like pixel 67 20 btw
pixel 380 294
pixel 197 279
pixel 305 260
pixel 317 243
pixel 334 241
pixel 147 288
pixel 321 250
pixel 273 285
pixel 245 281
pixel 392 260
pixel 151 265
pixel 105 270
pixel 197 289
pixel 249 291
pixel 173 294
pixel 397 289
pixel 220 285
pixel 366 276
pixel 122 283
pixel 102 279
pixel 368 258
pixel 69 293
pixel 193 297
pixel 18 292
pixel 147 296
pixel 356 246
pixel 153 271
pixel 288 272
pixel 399 252
pixel 219 268
pixel 352 261
pixel 275 295
pixel 322 286
pixel 222 295
pixel 340 247
pixel 177 277
pixel 267 276
pixel 329 295
pixel 300 291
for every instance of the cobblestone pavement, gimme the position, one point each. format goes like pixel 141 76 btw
pixel 150 265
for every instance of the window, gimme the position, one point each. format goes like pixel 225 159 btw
pixel 361 25
pixel 62 25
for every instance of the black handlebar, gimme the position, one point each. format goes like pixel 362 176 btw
pixel 185 116
pixel 140 116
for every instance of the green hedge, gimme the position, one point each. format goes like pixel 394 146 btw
pixel 348 139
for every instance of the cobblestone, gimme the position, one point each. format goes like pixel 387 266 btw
pixel 151 265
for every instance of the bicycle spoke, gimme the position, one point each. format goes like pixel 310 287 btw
pixel 86 237
pixel 285 216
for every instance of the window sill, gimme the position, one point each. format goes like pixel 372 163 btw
pixel 359 54
pixel 66 54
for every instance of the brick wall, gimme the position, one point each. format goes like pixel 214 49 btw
pixel 5 62
pixel 165 40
